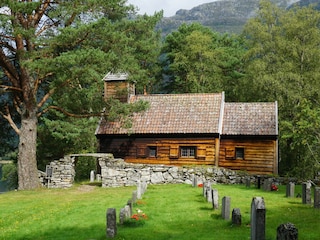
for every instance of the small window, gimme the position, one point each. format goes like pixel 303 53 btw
pixel 239 153
pixel 152 151
pixel 188 152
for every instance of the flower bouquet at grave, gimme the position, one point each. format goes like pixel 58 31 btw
pixel 137 219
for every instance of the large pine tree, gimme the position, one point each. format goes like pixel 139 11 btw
pixel 53 55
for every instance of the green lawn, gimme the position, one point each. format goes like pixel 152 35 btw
pixel 174 212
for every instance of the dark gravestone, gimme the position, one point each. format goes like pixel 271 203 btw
pixel 258 219
pixel 225 211
pixel 236 216
pixel 290 190
pixel 258 182
pixel 317 197
pixel 306 193
pixel 287 231
pixel 111 230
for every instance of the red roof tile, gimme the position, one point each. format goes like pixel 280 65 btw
pixel 173 114
pixel 250 119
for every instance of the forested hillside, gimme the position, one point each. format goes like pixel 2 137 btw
pixel 221 16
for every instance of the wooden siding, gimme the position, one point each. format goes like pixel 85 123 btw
pixel 136 150
pixel 260 156
pixel 116 89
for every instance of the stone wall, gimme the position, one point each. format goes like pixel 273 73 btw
pixel 59 173
pixel 117 173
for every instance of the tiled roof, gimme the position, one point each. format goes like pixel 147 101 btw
pixel 173 114
pixel 250 119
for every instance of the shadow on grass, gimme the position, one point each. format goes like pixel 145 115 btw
pixel 97 232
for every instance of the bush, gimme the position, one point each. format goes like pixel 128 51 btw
pixel 10 175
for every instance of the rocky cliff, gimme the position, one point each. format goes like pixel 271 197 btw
pixel 222 15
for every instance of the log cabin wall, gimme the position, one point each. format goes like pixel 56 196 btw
pixel 169 151
pixel 251 155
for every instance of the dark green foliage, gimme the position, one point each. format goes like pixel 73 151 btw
pixel 83 167
pixel 197 59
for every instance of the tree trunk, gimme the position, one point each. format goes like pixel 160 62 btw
pixel 27 159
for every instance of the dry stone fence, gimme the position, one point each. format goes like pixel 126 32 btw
pixel 116 173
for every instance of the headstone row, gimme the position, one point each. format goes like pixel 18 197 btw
pixel 306 193
pixel 126 212
pixel 258 213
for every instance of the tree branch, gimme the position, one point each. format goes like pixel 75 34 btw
pixel 59 109
pixel 9 119
pixel 5 87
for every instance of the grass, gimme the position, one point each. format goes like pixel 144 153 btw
pixel 174 212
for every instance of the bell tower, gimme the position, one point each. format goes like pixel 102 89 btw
pixel 118 87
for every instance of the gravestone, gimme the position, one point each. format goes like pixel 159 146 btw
pixel 209 195
pixel 98 177
pixel 134 197
pixel 236 216
pixel 130 204
pixel 127 212
pixel 306 193
pixel 317 197
pixel 267 184
pixel 290 189
pixel 258 219
pixel 139 190
pixel 122 216
pixel 215 199
pixel 205 187
pixel 258 182
pixel 92 176
pixel 287 231
pixel 225 212
pixel 194 181
pixel 248 182
pixel 111 229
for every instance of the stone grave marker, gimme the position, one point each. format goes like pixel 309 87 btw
pixel 215 199
pixel 204 189
pixel 248 182
pixel 194 181
pixel 209 195
pixel 134 197
pixel 287 231
pixel 111 229
pixel 130 204
pixel 139 190
pixel 267 184
pixel 258 218
pixel 317 197
pixel 236 216
pixel 92 177
pixel 122 216
pixel 290 189
pixel 306 193
pixel 258 182
pixel 127 212
pixel 225 212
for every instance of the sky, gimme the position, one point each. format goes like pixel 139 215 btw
pixel 169 7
